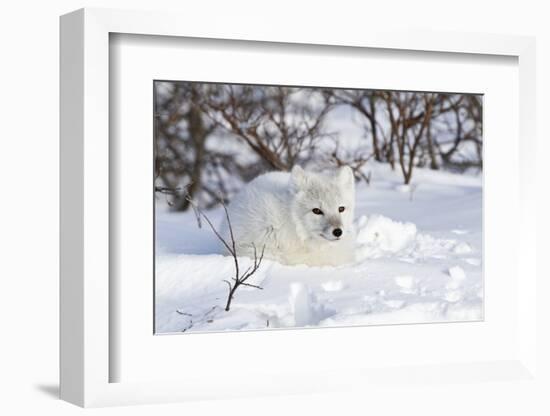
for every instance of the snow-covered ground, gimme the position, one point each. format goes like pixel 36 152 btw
pixel 419 259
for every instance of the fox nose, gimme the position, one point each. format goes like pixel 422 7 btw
pixel 337 232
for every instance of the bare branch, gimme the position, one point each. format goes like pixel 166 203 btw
pixel 238 279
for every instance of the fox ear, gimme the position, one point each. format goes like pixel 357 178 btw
pixel 345 176
pixel 298 177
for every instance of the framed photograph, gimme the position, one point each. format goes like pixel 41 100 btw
pixel 284 207
pixel 293 202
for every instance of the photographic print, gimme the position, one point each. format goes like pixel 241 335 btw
pixel 301 207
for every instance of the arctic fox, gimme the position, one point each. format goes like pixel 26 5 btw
pixel 300 217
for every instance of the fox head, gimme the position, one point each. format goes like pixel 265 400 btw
pixel 323 205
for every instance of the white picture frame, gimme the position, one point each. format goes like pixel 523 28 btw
pixel 86 355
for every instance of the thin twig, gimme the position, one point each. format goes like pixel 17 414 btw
pixel 239 278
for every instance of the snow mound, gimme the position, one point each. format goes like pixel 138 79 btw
pixel 457 273
pixel 333 286
pixel 384 235
pixel 462 248
pixel 379 236
pixel 406 283
pixel 305 307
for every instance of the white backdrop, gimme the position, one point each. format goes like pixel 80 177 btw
pixel 29 209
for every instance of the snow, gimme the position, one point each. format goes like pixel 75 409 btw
pixel 305 307
pixel 457 273
pixel 462 248
pixel 378 235
pixel 418 260
pixel 406 283
pixel 333 286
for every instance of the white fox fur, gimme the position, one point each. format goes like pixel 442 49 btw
pixel 276 211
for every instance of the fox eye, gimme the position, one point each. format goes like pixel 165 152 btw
pixel 317 211
pixel 341 209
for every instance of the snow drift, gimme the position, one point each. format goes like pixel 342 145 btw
pixel 416 260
